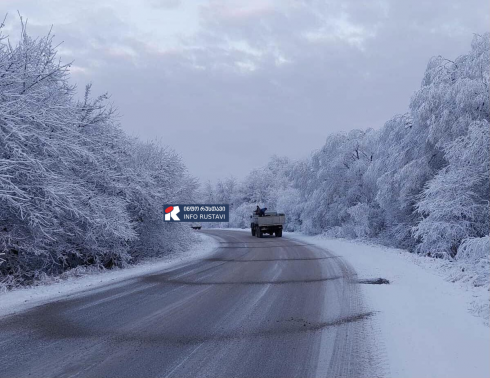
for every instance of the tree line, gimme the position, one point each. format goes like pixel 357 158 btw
pixel 421 182
pixel 75 190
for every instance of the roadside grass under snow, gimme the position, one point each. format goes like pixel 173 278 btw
pixel 426 328
pixel 80 280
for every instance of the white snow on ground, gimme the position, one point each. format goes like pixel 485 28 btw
pixel 22 299
pixel 425 324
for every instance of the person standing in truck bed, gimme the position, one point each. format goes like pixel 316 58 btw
pixel 260 212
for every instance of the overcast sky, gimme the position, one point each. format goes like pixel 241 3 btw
pixel 227 84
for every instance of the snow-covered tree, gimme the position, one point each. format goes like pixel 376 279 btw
pixel 74 189
pixel 454 104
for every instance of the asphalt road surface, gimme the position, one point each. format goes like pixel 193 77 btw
pixel 270 307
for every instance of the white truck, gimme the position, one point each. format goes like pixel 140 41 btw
pixel 269 223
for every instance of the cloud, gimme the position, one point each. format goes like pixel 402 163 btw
pixel 340 29
pixel 212 78
pixel 166 4
pixel 236 11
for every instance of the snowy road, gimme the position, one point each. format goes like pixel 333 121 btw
pixel 268 307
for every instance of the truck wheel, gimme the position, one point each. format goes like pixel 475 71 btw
pixel 279 234
pixel 253 230
pixel 259 232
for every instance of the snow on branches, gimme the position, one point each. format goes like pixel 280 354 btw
pixel 74 189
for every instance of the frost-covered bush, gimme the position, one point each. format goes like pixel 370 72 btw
pixel 474 249
pixel 337 232
pixel 474 257
pixel 360 220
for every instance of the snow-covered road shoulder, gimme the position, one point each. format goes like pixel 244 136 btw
pixel 55 288
pixel 426 326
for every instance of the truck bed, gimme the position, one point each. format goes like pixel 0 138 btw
pixel 270 220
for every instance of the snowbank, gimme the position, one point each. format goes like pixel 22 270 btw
pixel 426 328
pixel 54 288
